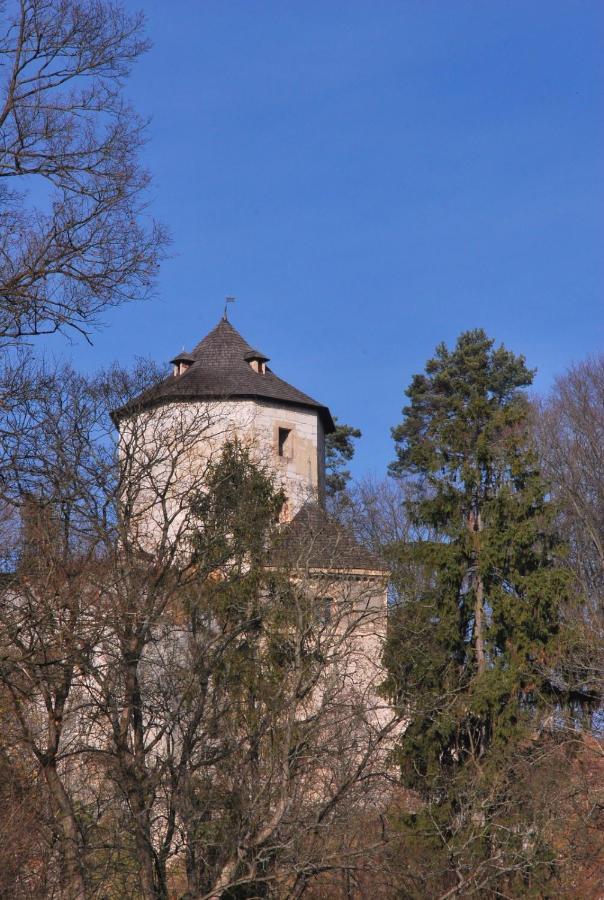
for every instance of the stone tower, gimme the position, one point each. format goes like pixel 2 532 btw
pixel 231 384
pixel 224 390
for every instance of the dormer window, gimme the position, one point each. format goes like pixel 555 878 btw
pixel 181 363
pixel 257 361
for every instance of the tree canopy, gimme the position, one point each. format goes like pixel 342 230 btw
pixel 73 193
pixel 339 450
pixel 471 655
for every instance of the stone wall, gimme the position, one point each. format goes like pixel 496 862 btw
pixel 165 453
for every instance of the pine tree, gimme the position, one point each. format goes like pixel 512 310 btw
pixel 339 449
pixel 470 658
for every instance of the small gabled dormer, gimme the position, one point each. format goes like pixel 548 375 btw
pixel 181 363
pixel 257 361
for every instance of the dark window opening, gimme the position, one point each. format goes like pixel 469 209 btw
pixel 284 442
pixel 325 610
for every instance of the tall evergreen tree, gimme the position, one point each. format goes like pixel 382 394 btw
pixel 470 658
pixel 339 450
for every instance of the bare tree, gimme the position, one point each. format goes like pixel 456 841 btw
pixel 72 192
pixel 238 697
pixel 58 483
pixel 197 708
pixel 569 427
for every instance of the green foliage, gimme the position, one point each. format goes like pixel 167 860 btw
pixel 488 836
pixel 252 653
pixel 339 449
pixel 236 511
pixel 470 656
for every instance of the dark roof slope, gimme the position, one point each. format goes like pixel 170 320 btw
pixel 220 371
pixel 314 540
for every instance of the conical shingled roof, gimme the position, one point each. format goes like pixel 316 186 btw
pixel 219 372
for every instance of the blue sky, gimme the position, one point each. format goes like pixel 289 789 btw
pixel 368 178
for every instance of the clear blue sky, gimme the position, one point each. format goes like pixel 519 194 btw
pixel 370 178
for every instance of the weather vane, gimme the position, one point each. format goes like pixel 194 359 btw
pixel 227 300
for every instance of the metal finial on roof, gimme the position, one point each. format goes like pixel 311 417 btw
pixel 227 300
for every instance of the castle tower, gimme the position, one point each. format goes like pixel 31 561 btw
pixel 224 390
pixel 230 385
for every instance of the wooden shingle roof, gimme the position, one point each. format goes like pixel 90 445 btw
pixel 314 540
pixel 219 371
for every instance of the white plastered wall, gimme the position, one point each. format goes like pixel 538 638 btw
pixel 166 451
pixel 359 614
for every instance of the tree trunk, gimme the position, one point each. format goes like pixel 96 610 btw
pixel 74 886
pixel 153 882
pixel 479 622
pixel 144 850
pixel 145 862
pixel 479 625
pixel 226 877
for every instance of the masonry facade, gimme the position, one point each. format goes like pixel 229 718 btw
pixel 224 390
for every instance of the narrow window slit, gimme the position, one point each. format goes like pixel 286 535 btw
pixel 284 443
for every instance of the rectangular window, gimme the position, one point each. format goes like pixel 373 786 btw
pixel 284 443
pixel 325 610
